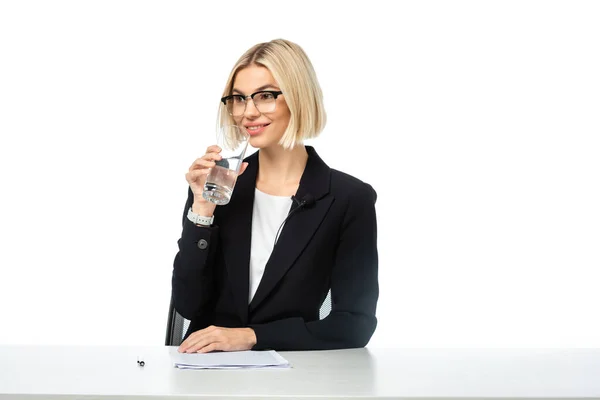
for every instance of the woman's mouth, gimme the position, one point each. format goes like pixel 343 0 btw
pixel 256 129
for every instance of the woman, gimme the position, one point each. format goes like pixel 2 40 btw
pixel 241 291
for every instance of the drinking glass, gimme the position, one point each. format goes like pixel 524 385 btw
pixel 221 179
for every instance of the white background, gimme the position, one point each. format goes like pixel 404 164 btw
pixel 476 122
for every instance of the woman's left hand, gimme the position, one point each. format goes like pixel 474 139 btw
pixel 218 338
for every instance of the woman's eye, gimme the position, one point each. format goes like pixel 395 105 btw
pixel 266 96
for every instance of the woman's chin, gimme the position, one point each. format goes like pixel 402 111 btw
pixel 258 142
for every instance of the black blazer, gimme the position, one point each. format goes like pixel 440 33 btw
pixel 331 244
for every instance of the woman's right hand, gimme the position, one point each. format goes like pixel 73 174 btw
pixel 196 177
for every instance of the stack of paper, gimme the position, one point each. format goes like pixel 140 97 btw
pixel 231 360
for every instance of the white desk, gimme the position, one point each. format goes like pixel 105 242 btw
pixel 99 372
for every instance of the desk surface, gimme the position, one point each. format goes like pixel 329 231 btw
pixel 53 372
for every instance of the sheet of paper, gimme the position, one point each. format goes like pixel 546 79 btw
pixel 230 360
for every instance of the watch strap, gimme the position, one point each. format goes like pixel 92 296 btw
pixel 199 219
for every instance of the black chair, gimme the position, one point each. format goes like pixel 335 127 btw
pixel 177 326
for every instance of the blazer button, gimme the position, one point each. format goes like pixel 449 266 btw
pixel 202 244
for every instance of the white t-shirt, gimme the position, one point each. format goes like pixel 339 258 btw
pixel 268 212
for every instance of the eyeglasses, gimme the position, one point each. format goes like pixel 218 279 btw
pixel 264 102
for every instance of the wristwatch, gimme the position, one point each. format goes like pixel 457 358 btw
pixel 198 219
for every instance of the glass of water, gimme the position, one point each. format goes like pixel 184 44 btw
pixel 221 179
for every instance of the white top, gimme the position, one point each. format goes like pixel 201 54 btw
pixel 91 372
pixel 268 213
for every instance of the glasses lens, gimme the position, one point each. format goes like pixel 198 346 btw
pixel 235 105
pixel 264 101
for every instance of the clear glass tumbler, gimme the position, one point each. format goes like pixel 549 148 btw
pixel 221 179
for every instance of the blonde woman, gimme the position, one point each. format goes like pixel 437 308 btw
pixel 238 289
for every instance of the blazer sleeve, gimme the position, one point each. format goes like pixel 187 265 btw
pixel 192 281
pixel 354 290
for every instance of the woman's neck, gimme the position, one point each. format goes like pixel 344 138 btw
pixel 280 170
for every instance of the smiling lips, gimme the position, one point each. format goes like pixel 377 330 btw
pixel 254 130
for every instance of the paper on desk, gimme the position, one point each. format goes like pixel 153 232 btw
pixel 231 360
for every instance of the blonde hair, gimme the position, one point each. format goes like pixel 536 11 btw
pixel 297 79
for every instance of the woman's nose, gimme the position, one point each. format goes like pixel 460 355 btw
pixel 251 110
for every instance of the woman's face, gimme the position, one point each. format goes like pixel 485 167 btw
pixel 267 128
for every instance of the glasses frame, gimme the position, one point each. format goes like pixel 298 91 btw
pixel 275 94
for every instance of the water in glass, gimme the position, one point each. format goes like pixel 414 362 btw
pixel 220 181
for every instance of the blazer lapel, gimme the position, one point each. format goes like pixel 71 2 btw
pixel 236 232
pixel 300 228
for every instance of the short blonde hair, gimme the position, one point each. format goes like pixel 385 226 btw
pixel 297 79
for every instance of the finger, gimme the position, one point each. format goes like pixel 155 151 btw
pixel 211 156
pixel 182 347
pixel 196 175
pixel 207 336
pixel 200 162
pixel 192 340
pixel 195 337
pixel 211 347
pixel 243 168
pixel 201 343
pixel 213 149
pixel 188 344
pixel 203 163
pixel 185 344
pixel 204 337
